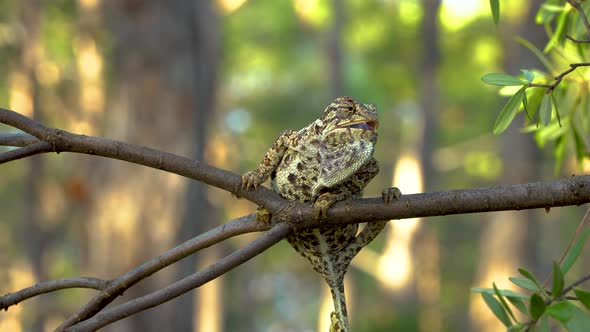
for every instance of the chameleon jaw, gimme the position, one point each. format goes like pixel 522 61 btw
pixel 361 124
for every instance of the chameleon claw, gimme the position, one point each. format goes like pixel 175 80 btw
pixel 390 194
pixel 249 180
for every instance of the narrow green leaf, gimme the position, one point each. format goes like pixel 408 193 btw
pixel 508 112
pixel 537 306
pixel 557 285
pixel 575 251
pixel 561 311
pixel 537 52
pixel 497 309
pixel 583 296
pixel 518 303
pixel 559 31
pixel 525 104
pixel 503 302
pixel 502 79
pixel 554 102
pixel 495 6
pixel 504 292
pixel 559 153
pixel 525 273
pixel 528 75
pixel 579 145
pixel 525 283
pixel 545 110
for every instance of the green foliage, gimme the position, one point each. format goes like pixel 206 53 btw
pixel 561 85
pixel 558 305
pixel 495 6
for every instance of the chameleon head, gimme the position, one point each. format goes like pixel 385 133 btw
pixel 346 120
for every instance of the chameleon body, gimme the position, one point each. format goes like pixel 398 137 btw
pixel 329 160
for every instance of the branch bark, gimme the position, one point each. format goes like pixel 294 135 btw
pixel 287 216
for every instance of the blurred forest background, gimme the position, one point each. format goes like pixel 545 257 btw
pixel 218 80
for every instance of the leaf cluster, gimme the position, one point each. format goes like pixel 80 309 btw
pixel 543 305
pixel 555 101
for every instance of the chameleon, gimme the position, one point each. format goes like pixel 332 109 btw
pixel 327 161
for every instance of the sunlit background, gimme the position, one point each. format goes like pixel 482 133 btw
pixel 218 81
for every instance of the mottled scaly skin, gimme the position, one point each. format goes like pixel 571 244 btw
pixel 328 161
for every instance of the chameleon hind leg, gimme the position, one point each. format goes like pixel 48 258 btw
pixel 339 318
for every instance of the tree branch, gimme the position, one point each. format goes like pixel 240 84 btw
pixel 19 139
pixel 63 141
pixel 189 283
pixel 287 216
pixel 26 151
pixel 111 289
pixel 50 286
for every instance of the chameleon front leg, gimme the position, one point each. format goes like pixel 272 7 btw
pixel 271 160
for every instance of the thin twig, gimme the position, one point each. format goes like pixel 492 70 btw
pixel 579 41
pixel 227 263
pixel 581 225
pixel 27 151
pixel 576 4
pixel 11 299
pixel 559 78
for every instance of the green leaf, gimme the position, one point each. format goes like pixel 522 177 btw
pixel 503 302
pixel 557 286
pixel 525 283
pixel 579 145
pixel 517 327
pixel 508 112
pixel 495 6
pixel 528 75
pixel 561 311
pixel 575 251
pixel 545 110
pixel 525 104
pixel 559 152
pixel 537 306
pixel 497 309
pixel 583 296
pixel 543 325
pixel 559 31
pixel 502 79
pixel 554 102
pixel 518 303
pixel 580 321
pixel 504 292
pixel 525 273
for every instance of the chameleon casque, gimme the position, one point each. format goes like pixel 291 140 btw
pixel 328 161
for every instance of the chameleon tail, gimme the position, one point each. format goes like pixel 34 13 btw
pixel 340 322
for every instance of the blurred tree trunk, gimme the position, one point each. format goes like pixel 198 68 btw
pixel 426 247
pixel 165 64
pixel 198 215
pixel 509 240
pixel 34 237
pixel 335 49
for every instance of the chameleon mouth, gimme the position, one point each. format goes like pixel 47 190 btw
pixel 365 125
